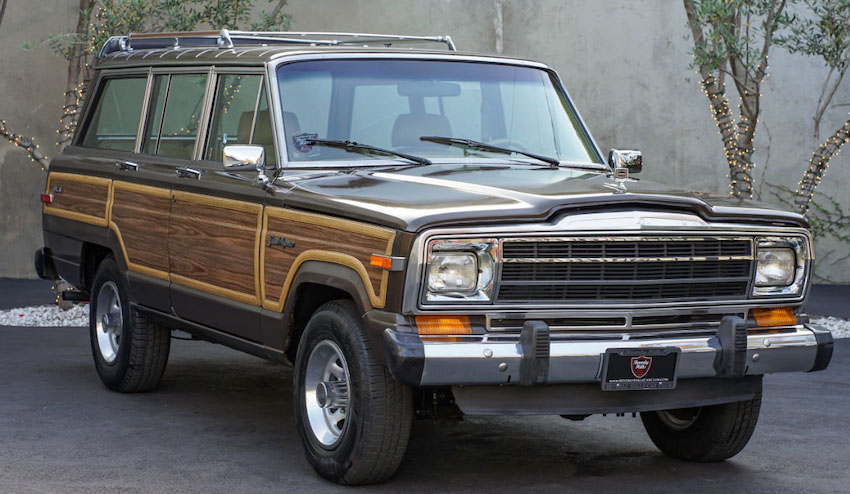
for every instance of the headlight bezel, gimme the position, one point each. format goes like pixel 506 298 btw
pixel 485 252
pixel 799 245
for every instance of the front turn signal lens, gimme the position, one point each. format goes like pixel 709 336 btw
pixel 775 316
pixel 383 262
pixel 443 325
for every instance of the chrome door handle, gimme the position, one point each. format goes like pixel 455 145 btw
pixel 186 172
pixel 127 166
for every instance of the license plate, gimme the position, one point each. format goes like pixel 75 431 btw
pixel 626 369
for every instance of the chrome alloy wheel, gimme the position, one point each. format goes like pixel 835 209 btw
pixel 109 321
pixel 679 419
pixel 327 393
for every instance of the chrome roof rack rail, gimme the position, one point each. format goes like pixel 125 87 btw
pixel 230 39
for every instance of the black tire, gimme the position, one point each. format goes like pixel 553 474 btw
pixel 372 444
pixel 142 353
pixel 719 432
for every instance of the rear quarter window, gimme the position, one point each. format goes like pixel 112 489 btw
pixel 115 120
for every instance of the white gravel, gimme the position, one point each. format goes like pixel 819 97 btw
pixel 78 315
pixel 840 327
pixel 46 316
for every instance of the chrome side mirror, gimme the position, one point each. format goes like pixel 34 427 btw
pixel 240 157
pixel 624 158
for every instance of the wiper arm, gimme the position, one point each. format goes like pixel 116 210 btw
pixel 483 146
pixel 356 147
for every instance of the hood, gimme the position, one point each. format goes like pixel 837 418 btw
pixel 417 197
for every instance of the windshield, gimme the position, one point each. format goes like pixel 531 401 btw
pixel 393 103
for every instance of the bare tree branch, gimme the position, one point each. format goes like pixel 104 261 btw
pixel 276 10
pixel 26 143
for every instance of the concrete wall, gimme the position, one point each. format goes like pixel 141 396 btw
pixel 625 62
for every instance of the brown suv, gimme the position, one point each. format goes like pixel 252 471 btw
pixel 415 230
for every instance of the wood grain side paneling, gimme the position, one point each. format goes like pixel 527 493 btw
pixel 81 197
pixel 324 238
pixel 139 219
pixel 213 245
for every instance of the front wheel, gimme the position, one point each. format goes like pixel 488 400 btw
pixel 704 434
pixel 353 417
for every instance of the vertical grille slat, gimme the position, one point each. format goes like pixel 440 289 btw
pixel 626 268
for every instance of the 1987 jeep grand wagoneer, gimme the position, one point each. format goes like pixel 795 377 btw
pixel 414 230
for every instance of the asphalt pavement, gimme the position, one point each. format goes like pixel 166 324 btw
pixel 222 422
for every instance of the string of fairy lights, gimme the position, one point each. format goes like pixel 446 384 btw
pixel 26 144
pixel 818 166
pixel 738 157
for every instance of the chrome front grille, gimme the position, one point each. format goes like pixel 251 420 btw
pixel 616 324
pixel 624 269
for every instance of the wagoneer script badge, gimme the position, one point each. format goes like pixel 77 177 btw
pixel 640 366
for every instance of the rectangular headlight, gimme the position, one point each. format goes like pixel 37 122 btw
pixel 775 266
pixel 460 270
pixel 781 264
pixel 453 272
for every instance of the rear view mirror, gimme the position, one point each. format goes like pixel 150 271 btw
pixel 428 89
pixel 241 157
pixel 625 158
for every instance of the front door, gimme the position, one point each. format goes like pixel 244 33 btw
pixel 215 226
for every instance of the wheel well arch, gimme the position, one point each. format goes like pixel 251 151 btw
pixel 316 283
pixel 91 256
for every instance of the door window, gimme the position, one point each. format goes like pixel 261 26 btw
pixel 233 118
pixel 177 103
pixel 263 134
pixel 116 117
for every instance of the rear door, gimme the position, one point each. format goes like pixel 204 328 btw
pixel 216 216
pixel 140 203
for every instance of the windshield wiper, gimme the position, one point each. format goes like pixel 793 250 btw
pixel 483 146
pixel 356 147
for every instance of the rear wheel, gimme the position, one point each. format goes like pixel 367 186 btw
pixel 705 434
pixel 130 352
pixel 353 417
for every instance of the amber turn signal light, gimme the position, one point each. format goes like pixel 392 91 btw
pixel 443 325
pixel 383 262
pixel 775 316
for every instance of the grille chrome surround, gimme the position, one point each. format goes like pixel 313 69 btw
pixel 624 269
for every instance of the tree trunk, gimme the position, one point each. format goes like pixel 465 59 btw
pixel 714 87
pixel 78 76
pixel 818 165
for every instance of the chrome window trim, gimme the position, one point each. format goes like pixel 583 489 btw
pixel 415 273
pixel 143 119
pixel 276 114
pixel 281 59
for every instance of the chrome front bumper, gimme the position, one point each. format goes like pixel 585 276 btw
pixel 498 361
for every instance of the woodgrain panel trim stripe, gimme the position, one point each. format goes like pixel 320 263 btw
pixel 215 289
pixel 140 189
pixel 74 215
pixel 378 300
pixel 244 206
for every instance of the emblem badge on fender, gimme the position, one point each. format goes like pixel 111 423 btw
pixel 640 366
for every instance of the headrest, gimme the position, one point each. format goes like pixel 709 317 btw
pixel 290 122
pixel 408 128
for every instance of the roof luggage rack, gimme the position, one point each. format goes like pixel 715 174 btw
pixel 226 39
